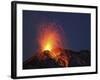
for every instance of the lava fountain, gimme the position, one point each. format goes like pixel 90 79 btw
pixel 50 36
pixel 51 40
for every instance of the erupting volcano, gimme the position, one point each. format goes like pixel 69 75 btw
pixel 52 51
pixel 51 42
pixel 56 39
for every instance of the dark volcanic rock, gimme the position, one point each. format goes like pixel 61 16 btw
pixel 77 59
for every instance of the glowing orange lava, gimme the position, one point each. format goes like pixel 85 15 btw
pixel 50 37
pixel 51 43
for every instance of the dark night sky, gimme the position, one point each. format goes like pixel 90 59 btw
pixel 75 25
